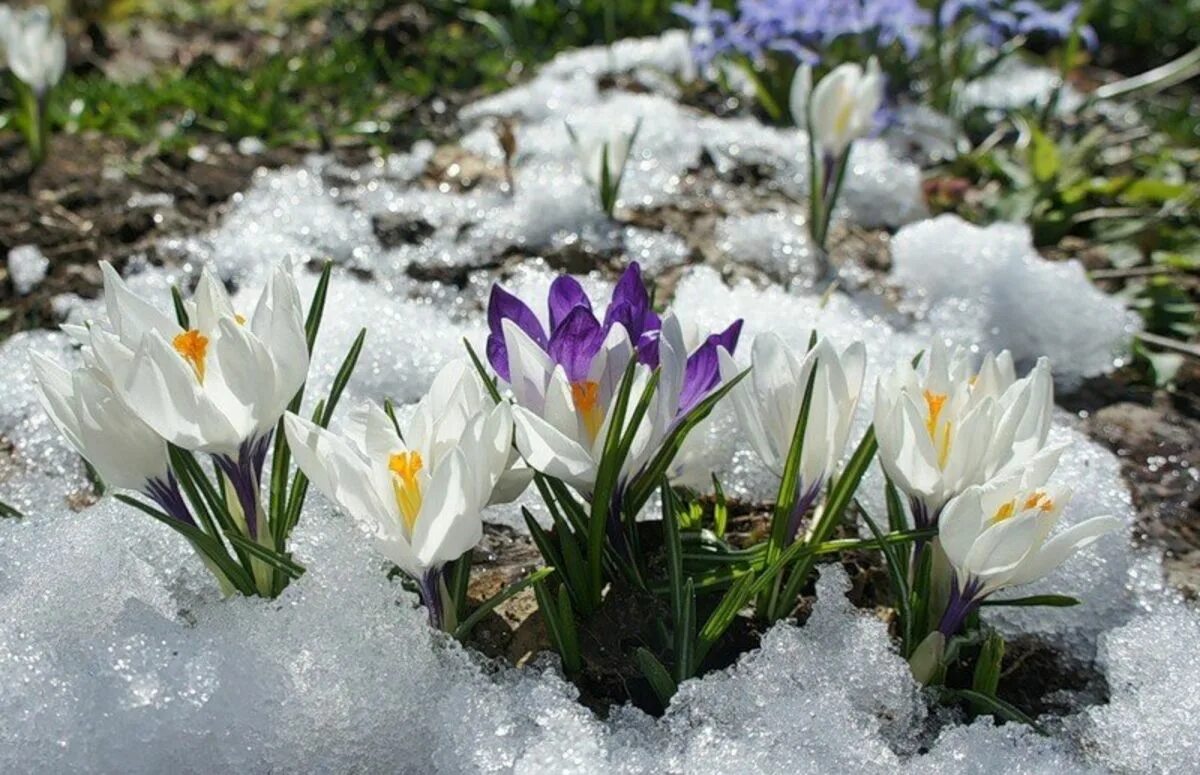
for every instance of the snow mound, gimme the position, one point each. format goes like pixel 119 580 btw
pixel 992 280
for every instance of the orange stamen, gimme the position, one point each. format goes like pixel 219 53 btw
pixel 193 346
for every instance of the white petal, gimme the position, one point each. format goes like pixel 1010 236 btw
pixel 547 450
pixel 1059 549
pixel 449 522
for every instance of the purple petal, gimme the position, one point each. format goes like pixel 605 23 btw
pixel 502 305
pixel 565 295
pixel 729 337
pixel 703 373
pixel 630 304
pixel 647 348
pixel 575 342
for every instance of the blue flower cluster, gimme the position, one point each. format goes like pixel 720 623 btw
pixel 999 21
pixel 806 29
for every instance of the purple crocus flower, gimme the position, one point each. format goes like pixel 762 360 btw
pixel 576 334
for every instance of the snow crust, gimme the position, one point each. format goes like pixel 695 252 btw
pixel 117 655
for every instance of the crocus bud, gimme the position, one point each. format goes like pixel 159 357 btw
pixel 926 661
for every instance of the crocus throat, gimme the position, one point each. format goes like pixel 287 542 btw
pixel 935 402
pixel 843 117
pixel 586 396
pixel 1038 499
pixel 404 467
pixel 193 346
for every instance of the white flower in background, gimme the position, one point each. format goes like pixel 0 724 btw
pixel 594 146
pixel 949 429
pixel 997 535
pixel 841 107
pixel 35 50
pixel 603 154
pixel 769 401
pixel 419 495
pixel 799 94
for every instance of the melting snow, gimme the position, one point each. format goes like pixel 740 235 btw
pixel 117 655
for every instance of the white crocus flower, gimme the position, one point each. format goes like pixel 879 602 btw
pixel 218 386
pixel 842 105
pixel 36 51
pixel 125 452
pixel 769 401
pixel 593 148
pixel 456 397
pixel 799 95
pixel 951 428
pixel 997 535
pixel 602 158
pixel 419 495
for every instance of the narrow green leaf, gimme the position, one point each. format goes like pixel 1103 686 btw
pixel 896 574
pixel 201 541
pixel 316 307
pixel 987 668
pixel 788 485
pixel 643 487
pixel 994 705
pixel 656 675
pixel 549 613
pixel 735 599
pixel 343 377
pixel 389 409
pixel 280 562
pixel 181 315
pixel 1053 601
pixel 9 512
pixel 720 509
pixel 460 580
pixel 541 539
pixel 674 549
pixel 606 480
pixel 685 635
pixel 841 493
pixel 572 659
pixel 488 381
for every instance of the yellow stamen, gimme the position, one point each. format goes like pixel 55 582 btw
pixel 944 447
pixel 935 402
pixel 1004 512
pixel 241 319
pixel 193 346
pixel 407 488
pixel 586 396
pixel 1038 499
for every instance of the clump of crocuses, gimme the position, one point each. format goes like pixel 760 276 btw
pixel 155 390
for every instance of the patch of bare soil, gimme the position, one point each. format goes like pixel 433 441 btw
pixel 96 199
